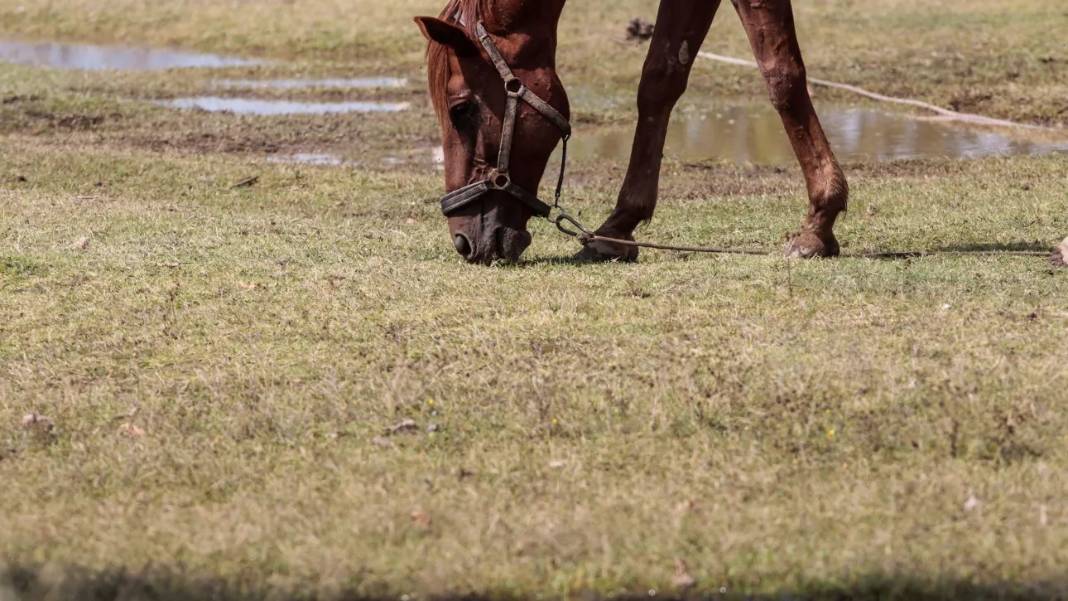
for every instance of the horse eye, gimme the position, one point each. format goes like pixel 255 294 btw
pixel 463 113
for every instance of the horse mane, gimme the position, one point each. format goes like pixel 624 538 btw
pixel 437 55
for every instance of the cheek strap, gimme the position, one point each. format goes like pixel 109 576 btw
pixel 499 179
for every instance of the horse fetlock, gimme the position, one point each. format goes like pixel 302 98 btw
pixel 816 238
pixel 829 191
pixel 820 222
pixel 626 218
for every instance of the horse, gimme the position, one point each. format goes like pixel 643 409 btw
pixel 502 111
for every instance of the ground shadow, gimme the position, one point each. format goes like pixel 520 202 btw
pixel 1018 248
pixel 1035 246
pixel 566 260
pixel 31 584
pixel 1004 249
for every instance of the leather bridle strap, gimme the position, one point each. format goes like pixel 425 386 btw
pixel 458 199
pixel 499 179
pixel 515 87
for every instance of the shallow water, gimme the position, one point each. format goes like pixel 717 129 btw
pixel 308 158
pixel 91 57
pixel 255 106
pixel 754 134
pixel 300 84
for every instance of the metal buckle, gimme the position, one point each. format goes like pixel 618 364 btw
pixel 513 86
pixel 499 181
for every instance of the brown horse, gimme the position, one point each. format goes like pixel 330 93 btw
pixel 483 108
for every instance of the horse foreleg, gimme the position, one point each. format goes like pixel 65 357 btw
pixel 681 27
pixel 770 27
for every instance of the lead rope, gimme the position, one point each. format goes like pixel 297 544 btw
pixel 563 169
pixel 563 216
pixel 585 236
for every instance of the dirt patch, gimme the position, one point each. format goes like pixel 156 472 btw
pixel 970 102
pixel 697 181
pixel 18 98
pixel 74 121
pixel 196 142
pixel 906 168
pixel 700 180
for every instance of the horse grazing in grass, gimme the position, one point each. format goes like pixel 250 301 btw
pixel 494 86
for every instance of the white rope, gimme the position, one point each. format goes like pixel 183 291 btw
pixel 944 114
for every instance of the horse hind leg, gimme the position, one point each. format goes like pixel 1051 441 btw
pixel 769 25
pixel 681 28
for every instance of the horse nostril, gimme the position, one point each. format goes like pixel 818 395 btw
pixel 463 245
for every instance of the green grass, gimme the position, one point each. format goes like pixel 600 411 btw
pixel 223 366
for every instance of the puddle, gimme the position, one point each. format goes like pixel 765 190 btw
pixel 90 57
pixel 754 134
pixel 301 84
pixel 254 106
pixel 308 158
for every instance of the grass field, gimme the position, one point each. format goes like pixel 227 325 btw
pixel 295 389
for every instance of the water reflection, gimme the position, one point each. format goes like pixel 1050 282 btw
pixel 754 134
pixel 299 84
pixel 255 106
pixel 91 57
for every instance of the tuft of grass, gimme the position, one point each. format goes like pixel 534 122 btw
pixel 15 266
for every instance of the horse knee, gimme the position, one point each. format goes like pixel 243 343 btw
pixel 786 83
pixel 663 83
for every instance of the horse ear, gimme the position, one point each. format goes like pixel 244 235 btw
pixel 447 34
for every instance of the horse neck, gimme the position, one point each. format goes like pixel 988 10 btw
pixel 538 17
pixel 532 27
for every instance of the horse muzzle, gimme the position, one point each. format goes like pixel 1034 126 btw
pixel 491 244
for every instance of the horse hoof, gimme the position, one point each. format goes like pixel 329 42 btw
pixel 807 245
pixel 606 252
pixel 1059 258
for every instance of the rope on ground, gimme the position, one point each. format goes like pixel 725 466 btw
pixel 944 113
pixel 907 254
pixel 573 227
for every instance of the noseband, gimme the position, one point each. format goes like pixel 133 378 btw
pixel 499 179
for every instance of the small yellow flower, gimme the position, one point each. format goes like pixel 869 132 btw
pixel 830 433
pixel 430 402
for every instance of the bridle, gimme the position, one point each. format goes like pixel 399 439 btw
pixel 499 179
